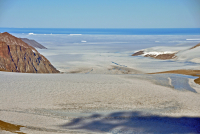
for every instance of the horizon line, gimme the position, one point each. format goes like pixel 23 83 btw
pixel 101 28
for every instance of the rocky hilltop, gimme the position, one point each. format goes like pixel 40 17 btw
pixel 185 52
pixel 156 55
pixel 18 56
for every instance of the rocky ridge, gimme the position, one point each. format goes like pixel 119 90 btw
pixel 192 52
pixel 18 56
pixel 33 43
pixel 156 55
pixel 195 46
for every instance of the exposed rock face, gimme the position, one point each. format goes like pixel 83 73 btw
pixel 190 54
pixel 156 55
pixel 12 40
pixel 162 56
pixel 17 56
pixel 138 53
pixel 33 43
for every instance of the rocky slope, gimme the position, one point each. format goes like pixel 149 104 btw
pixel 33 43
pixel 195 46
pixel 18 56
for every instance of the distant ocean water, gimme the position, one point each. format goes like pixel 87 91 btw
pixel 106 31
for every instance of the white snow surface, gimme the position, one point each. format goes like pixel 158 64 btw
pixel 191 55
pixel 34 51
pixel 31 34
pixel 100 52
pixel 159 53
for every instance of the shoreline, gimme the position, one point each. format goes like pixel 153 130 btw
pixel 195 73
pixel 46 103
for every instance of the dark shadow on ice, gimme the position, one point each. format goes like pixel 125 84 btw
pixel 135 122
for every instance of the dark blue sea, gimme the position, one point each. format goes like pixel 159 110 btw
pixel 106 31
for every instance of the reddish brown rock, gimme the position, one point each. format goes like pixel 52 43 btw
pixel 138 53
pixel 17 56
pixel 162 56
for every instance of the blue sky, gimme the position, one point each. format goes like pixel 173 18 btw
pixel 100 13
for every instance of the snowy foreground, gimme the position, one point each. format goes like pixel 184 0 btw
pixel 103 89
pixel 95 103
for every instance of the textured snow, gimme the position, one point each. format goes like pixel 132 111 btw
pixel 191 55
pixel 159 53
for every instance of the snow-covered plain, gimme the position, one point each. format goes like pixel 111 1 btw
pixel 68 53
pixel 104 89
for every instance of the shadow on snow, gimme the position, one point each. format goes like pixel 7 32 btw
pixel 131 122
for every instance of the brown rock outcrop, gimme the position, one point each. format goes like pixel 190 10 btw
pixel 159 56
pixel 33 43
pixel 162 56
pixel 138 53
pixel 17 56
